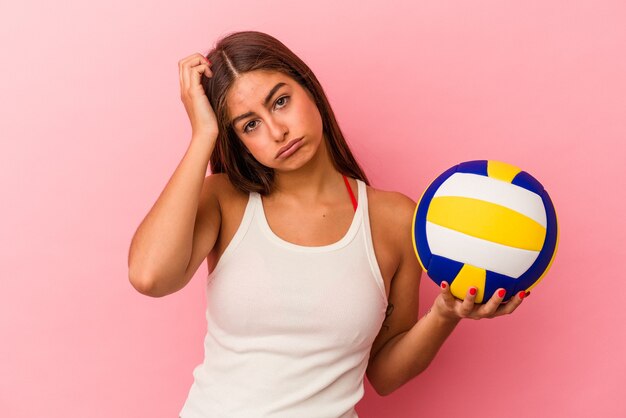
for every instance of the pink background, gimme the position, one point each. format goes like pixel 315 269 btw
pixel 92 128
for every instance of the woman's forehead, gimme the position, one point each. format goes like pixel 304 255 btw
pixel 252 89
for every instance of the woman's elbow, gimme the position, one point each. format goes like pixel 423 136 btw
pixel 143 285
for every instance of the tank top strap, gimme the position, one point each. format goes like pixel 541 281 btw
pixel 244 225
pixel 362 204
pixel 361 193
pixel 369 243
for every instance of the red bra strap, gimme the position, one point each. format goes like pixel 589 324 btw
pixel 354 203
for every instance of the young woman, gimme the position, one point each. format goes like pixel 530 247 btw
pixel 313 280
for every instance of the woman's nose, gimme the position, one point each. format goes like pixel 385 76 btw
pixel 279 130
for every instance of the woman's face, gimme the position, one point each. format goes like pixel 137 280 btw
pixel 275 118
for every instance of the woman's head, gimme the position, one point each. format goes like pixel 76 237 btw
pixel 277 120
pixel 256 55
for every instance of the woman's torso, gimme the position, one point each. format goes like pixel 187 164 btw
pixel 291 283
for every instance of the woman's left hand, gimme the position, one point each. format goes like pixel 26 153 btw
pixel 450 307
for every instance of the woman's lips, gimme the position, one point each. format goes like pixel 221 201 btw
pixel 291 147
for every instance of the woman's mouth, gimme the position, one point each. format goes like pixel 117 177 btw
pixel 291 147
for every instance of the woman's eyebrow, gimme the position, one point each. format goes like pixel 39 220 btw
pixel 267 99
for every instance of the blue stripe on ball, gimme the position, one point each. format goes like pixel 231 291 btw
pixel 494 281
pixel 549 246
pixel 474 167
pixel 528 182
pixel 421 241
pixel 441 268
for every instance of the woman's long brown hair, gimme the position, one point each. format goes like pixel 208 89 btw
pixel 241 52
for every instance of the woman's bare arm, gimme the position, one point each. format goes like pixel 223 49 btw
pixel 162 247
pixel 184 222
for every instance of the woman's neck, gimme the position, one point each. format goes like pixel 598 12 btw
pixel 318 179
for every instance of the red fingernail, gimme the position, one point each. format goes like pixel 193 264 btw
pixel 501 293
pixel 443 285
pixel 521 294
pixel 472 291
pixel 527 294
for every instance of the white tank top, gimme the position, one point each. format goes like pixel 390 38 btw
pixel 289 327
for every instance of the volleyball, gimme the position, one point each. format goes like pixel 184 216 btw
pixel 486 224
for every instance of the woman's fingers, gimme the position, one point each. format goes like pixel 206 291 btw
pixel 194 64
pixel 197 71
pixel 489 309
pixel 511 305
pixel 201 114
pixel 448 298
pixel 468 308
pixel 468 305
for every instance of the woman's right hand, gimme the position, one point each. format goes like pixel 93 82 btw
pixel 199 110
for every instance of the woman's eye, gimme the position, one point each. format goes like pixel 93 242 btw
pixel 245 128
pixel 284 98
pixel 281 102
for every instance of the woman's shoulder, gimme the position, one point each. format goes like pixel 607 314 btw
pixel 394 207
pixel 391 222
pixel 220 186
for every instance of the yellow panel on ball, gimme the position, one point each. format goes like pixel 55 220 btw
pixel 469 276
